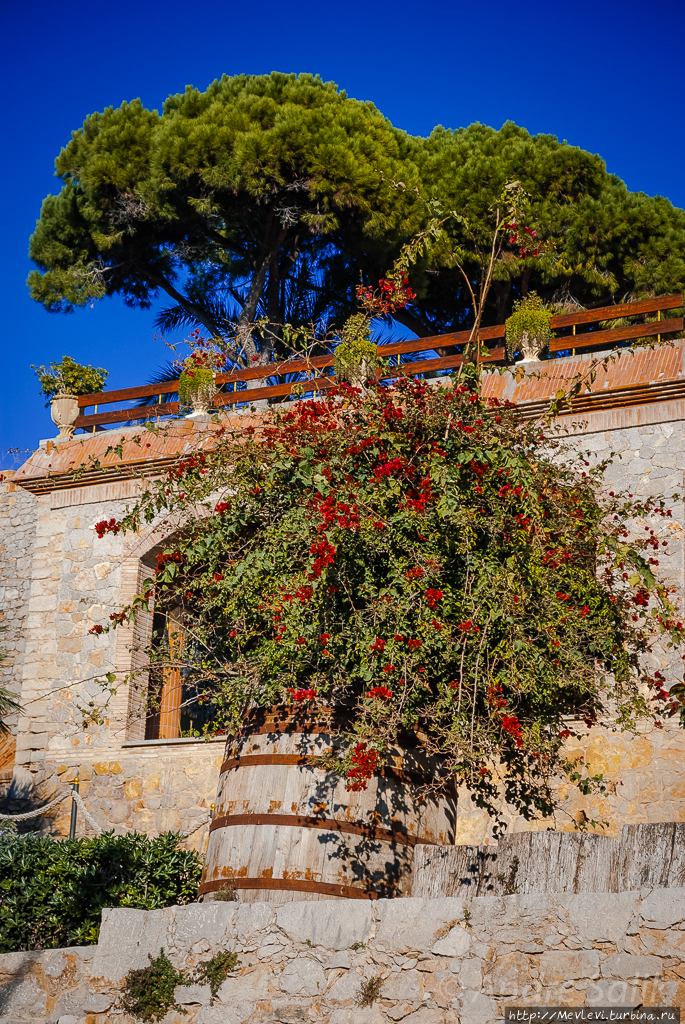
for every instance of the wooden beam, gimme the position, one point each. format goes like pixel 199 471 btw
pixel 589 316
pixel 615 334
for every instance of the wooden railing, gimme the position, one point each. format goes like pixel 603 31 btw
pixel 311 372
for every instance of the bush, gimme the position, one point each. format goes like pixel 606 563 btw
pixel 52 892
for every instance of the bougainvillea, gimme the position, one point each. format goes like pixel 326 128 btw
pixel 428 562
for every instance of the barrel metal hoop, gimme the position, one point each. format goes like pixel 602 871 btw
pixel 326 824
pixel 289 885
pixel 245 760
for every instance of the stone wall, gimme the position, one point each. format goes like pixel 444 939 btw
pixel 17 531
pixel 439 961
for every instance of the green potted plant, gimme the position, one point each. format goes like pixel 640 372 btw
pixel 197 382
pixel 62 383
pixel 356 357
pixel 529 327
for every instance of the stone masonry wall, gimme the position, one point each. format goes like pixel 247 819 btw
pixel 310 961
pixel 17 531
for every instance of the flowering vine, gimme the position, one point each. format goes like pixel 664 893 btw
pixel 428 562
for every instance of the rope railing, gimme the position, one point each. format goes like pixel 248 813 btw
pixel 78 799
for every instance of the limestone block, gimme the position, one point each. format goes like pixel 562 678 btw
pixel 406 985
pixel 559 966
pixel 346 988
pixel 321 923
pixel 603 917
pixel 413 924
pixel 613 993
pixel 357 1015
pixel 303 976
pixel 188 995
pixel 470 972
pixel 126 938
pixel 509 976
pixel 254 918
pixel 71 1002
pixel 626 966
pixel 214 923
pixel 663 908
pixel 23 998
pixel 442 988
pixel 341 959
pixel 97 1002
pixel 477 1008
pixel 236 1013
pixel 456 943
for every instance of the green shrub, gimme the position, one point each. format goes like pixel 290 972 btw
pixel 52 892
pixel 70 378
pixel 149 992
pixel 215 971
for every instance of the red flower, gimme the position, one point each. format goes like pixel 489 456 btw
pixel 378 645
pixel 104 527
pixel 218 576
pixel 364 764
pixel 413 644
pixel 96 630
pixel 390 668
pixel 300 695
pixel 433 596
pixel 380 693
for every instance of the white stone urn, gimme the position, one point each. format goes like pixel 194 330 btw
pixel 64 412
pixel 530 348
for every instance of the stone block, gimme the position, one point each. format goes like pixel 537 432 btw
pixel 405 985
pixel 412 924
pixel 625 966
pixel 97 1002
pixel 23 998
pixel 509 976
pixel 214 923
pixel 189 995
pixel 321 923
pixel 456 943
pixel 303 976
pixel 477 1008
pixel 663 908
pixel 613 993
pixel 254 918
pixel 346 988
pixel 602 917
pixel 559 966
pixel 357 1015
pixel 341 959
pixel 470 972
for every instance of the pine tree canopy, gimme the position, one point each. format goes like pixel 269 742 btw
pixel 273 195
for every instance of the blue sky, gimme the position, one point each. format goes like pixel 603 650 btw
pixel 605 76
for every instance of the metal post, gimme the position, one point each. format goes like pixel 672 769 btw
pixel 72 826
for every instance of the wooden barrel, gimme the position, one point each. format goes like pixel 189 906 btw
pixel 286 830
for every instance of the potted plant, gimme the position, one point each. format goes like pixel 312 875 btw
pixel 529 327
pixel 197 382
pixel 62 383
pixel 356 357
